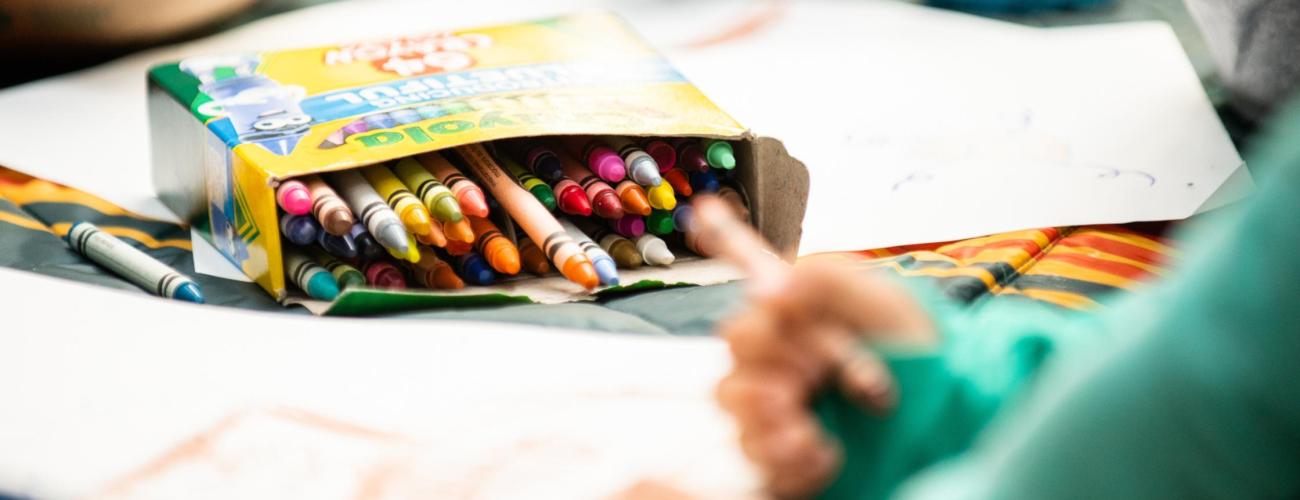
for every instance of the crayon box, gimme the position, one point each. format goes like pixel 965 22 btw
pixel 227 130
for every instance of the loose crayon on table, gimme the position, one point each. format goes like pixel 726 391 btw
pixel 459 231
pixel 379 120
pixel 532 183
pixel 458 248
pixel 689 155
pixel 436 238
pixel 474 269
pixel 629 226
pixel 606 269
pixel 437 198
pixel 539 158
pixel 367 247
pixel 572 198
pixel 662 197
pixel 604 200
pixel 532 257
pixel 654 250
pixel 719 154
pixel 294 197
pixel 412 212
pixel 299 229
pixel 308 275
pixel 433 272
pixel 404 116
pixel 380 220
pixel 623 250
pixel 343 247
pixel 384 274
pixel 535 220
pixel 733 198
pixel 662 152
pixel 641 167
pixel 412 252
pixel 598 156
pixel 499 251
pixel 633 197
pixel 680 181
pixel 683 218
pixel 659 222
pixel 329 209
pixel 467 193
pixel 346 275
pixel 131 264
pixel 705 182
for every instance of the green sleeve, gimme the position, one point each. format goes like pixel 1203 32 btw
pixel 1201 398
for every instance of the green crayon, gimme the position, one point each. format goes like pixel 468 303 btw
pixel 539 188
pixel 659 222
pixel 441 202
pixel 346 275
pixel 719 154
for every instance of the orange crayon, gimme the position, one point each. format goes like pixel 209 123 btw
pixel 472 201
pixel 459 231
pixel 500 253
pixel 433 272
pixel 680 181
pixel 532 257
pixel 436 237
pixel 458 248
pixel 634 198
pixel 532 216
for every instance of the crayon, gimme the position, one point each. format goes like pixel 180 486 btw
pixel 572 198
pixel 414 215
pixel 436 197
pixel 680 181
pixel 604 200
pixel 367 247
pixel 539 158
pixel 379 120
pixel 704 182
pixel 532 257
pixel 736 201
pixel 380 221
pixel 689 155
pixel 405 116
pixel 719 154
pixel 299 229
pixel 662 197
pixel 598 156
pixel 435 238
pixel 329 209
pixel 458 248
pixel 433 272
pixel 475 270
pixel 654 250
pixel 606 269
pixel 343 247
pixel 131 264
pixel 532 217
pixel 629 226
pixel 623 250
pixel 384 274
pixel 684 218
pixel 633 197
pixel 459 231
pixel 309 276
pixel 346 275
pixel 340 136
pixel 412 252
pixel 499 251
pixel 467 193
pixel 293 197
pixel 539 188
pixel 662 152
pixel 659 222
pixel 641 167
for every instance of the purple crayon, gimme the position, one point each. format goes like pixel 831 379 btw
pixel 630 226
pixel 368 247
pixel 689 155
pixel 299 229
pixel 379 120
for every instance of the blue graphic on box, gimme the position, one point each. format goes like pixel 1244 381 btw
pixel 260 110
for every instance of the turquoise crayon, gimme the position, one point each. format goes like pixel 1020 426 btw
pixel 299 229
pixel 309 276
pixel 131 264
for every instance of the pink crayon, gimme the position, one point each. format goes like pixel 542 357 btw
pixel 601 158
pixel 383 274
pixel 340 136
pixel 630 226
pixel 663 153
pixel 293 197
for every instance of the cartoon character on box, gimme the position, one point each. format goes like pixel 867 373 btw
pixel 262 111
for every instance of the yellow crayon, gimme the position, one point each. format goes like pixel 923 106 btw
pixel 412 251
pixel 415 216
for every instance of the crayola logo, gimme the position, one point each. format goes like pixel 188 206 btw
pixel 422 135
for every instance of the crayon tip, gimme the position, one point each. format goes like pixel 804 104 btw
pixel 720 155
pixel 435 238
pixel 704 182
pixel 189 292
pixel 339 246
pixel 387 276
pixel 574 201
pixel 417 221
pixel 351 278
pixel 680 180
pixel 659 222
pixel 545 195
pixel 322 286
pixel 684 218
pixel 476 270
pixel 393 237
pixel 634 200
pixel 446 279
pixel 606 271
pixel 549 168
pixel 662 196
pixel 458 248
pixel 654 250
pixel 473 203
pixel 338 222
pixel 578 269
pixel 296 201
pixel 334 140
pixel 505 260
pixel 645 171
pixel 610 168
pixel 607 205
pixel 447 209
pixel 630 226
pixel 663 154
pixel 625 254
pixel 459 231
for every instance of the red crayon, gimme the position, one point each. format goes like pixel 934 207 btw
pixel 571 198
pixel 604 200
pixel 663 153
pixel 384 274
pixel 680 181
pixel 689 155
pixel 458 248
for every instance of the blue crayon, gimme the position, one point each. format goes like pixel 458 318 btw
pixel 379 120
pixel 405 116
pixel 683 218
pixel 367 246
pixel 300 229
pixel 474 269
pixel 343 247
pixel 606 270
pixel 704 182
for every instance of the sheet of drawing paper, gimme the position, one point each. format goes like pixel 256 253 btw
pixel 140 397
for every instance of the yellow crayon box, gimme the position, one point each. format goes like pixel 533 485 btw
pixel 227 130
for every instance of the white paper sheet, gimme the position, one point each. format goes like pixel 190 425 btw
pixel 110 401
